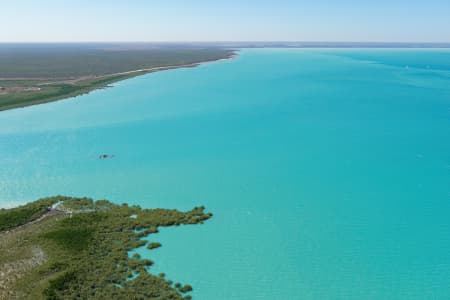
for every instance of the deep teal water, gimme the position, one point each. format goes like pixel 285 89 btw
pixel 328 171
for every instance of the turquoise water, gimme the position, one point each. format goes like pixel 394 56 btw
pixel 328 171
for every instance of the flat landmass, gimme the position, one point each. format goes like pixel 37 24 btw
pixel 77 248
pixel 38 73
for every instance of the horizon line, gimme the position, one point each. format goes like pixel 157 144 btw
pixel 224 41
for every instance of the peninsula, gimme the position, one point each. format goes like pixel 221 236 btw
pixel 66 248
pixel 39 73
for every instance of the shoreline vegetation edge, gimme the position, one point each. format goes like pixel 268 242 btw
pixel 86 84
pixel 65 247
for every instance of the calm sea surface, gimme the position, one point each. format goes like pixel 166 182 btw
pixel 328 171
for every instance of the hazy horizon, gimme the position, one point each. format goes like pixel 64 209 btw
pixel 146 45
pixel 226 21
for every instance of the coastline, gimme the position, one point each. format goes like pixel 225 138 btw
pixel 38 251
pixel 103 81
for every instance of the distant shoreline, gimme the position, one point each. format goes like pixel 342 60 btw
pixel 95 82
pixel 145 70
pixel 118 46
pixel 163 68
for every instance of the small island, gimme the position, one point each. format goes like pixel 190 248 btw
pixel 69 248
pixel 153 245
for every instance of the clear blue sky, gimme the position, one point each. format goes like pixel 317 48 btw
pixel 225 20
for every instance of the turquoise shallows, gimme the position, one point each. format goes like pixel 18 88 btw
pixel 328 171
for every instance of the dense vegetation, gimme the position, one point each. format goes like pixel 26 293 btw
pixel 87 249
pixel 11 218
pixel 153 245
pixel 77 60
